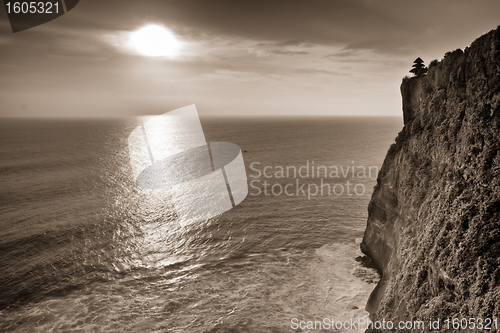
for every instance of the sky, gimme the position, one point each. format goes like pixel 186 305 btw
pixel 237 58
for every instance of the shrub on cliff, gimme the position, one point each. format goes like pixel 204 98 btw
pixel 419 68
pixel 433 63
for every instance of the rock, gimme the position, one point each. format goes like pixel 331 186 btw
pixel 433 228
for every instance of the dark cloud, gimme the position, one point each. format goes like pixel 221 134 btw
pixel 289 52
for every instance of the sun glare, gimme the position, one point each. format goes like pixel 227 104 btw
pixel 155 41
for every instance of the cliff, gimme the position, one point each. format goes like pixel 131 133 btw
pixel 433 229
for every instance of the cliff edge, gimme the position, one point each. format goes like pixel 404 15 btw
pixel 433 228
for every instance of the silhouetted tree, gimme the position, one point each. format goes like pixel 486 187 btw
pixel 419 68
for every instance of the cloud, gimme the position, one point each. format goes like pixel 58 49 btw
pixel 385 26
pixel 289 52
pixel 285 22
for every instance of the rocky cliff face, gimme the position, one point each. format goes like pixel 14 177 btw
pixel 433 229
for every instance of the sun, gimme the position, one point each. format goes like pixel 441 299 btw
pixel 155 41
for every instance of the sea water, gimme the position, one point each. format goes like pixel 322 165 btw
pixel 84 249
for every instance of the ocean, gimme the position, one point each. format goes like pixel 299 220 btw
pixel 84 249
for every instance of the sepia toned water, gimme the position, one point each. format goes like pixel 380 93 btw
pixel 83 249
